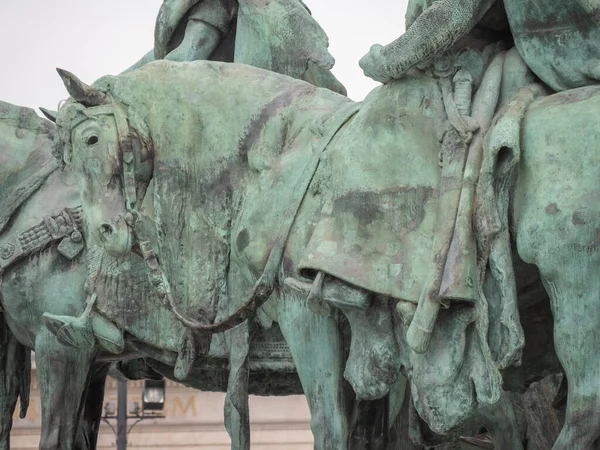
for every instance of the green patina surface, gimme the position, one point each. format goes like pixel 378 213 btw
pixel 426 229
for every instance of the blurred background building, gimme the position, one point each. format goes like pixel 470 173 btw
pixel 193 420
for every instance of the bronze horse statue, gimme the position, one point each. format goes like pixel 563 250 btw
pixel 282 212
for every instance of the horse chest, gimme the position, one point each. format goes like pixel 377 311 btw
pixel 126 297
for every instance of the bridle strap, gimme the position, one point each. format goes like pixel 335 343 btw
pixel 128 163
pixel 127 149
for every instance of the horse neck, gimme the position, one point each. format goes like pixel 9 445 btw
pixel 225 136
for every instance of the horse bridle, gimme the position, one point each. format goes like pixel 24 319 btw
pixel 129 145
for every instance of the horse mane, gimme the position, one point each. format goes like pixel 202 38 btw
pixel 170 105
pixel 164 89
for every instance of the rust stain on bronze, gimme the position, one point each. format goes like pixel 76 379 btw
pixel 578 218
pixel 552 209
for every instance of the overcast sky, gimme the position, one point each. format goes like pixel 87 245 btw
pixel 95 38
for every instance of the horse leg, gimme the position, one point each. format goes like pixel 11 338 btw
pixel 501 422
pixel 378 424
pixel 574 294
pixel 7 407
pixel 569 271
pixel 63 374
pixel 87 435
pixel 15 369
pixel 371 430
pixel 316 346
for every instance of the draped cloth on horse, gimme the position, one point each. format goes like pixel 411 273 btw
pixel 376 231
pixel 282 36
pixel 377 225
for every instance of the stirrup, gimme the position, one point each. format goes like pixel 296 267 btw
pixel 72 331
pixel 75 332
pixel 85 331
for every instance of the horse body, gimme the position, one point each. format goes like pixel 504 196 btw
pixel 207 187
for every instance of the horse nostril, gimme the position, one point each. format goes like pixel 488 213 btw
pixel 106 229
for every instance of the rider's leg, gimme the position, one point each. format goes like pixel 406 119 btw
pixel 147 58
pixel 199 42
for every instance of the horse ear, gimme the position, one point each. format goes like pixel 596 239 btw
pixel 49 114
pixel 81 92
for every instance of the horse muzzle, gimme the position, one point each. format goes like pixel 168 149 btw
pixel 116 236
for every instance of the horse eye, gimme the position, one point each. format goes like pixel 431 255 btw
pixel 92 140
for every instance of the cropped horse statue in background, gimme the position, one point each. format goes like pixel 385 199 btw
pixel 284 207
pixel 43 269
pixel 556 50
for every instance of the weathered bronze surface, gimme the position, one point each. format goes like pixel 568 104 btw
pixel 411 263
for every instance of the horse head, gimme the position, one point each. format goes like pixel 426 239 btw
pixel 111 164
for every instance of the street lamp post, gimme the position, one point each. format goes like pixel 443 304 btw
pixel 122 416
pixel 153 401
